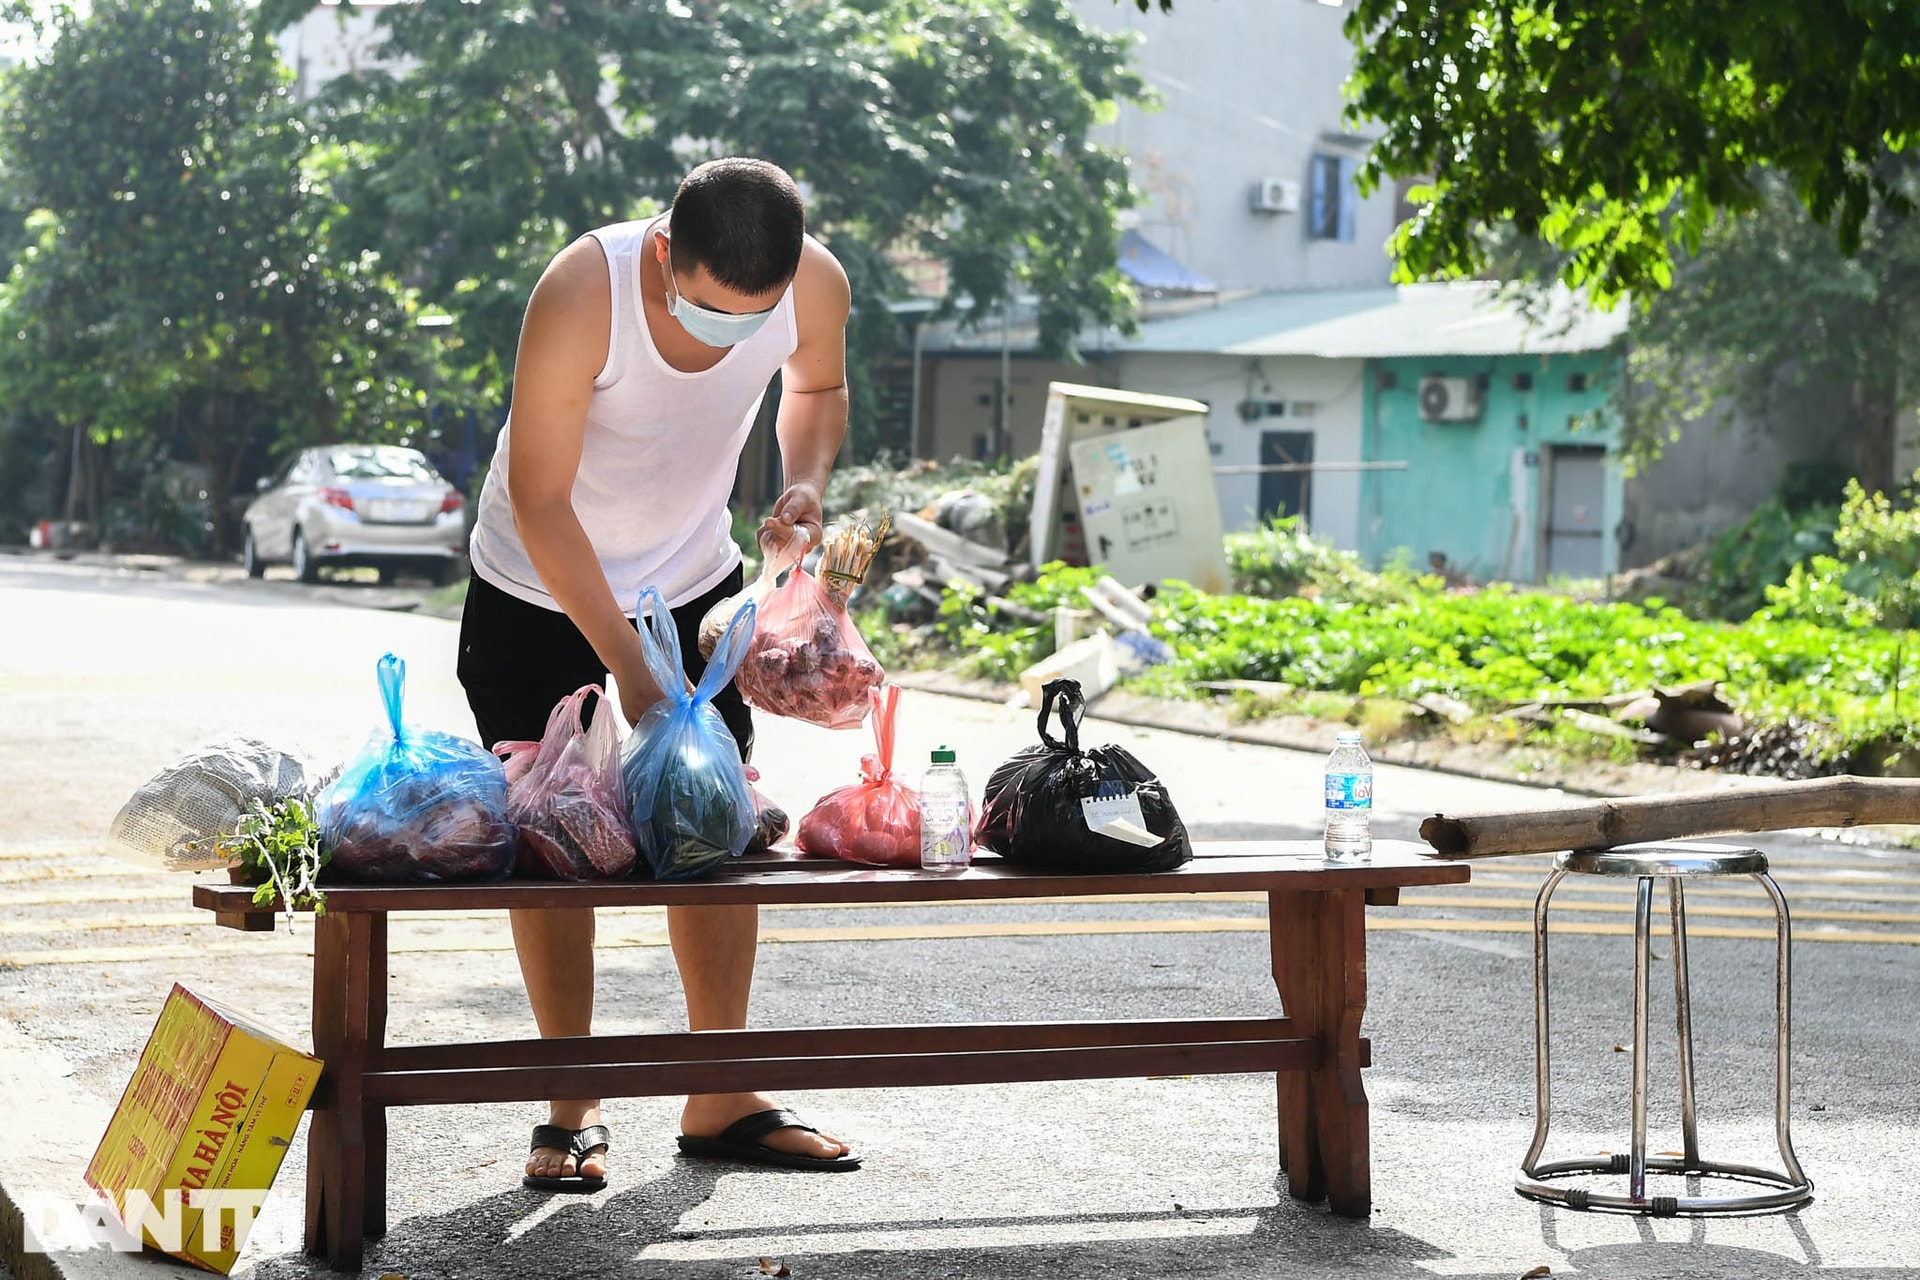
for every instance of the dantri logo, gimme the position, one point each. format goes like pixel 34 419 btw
pixel 55 1224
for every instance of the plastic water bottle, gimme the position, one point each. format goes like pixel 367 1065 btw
pixel 1349 799
pixel 946 816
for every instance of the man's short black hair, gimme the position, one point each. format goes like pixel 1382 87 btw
pixel 741 219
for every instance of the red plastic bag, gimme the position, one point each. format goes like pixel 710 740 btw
pixel 807 659
pixel 876 820
pixel 565 794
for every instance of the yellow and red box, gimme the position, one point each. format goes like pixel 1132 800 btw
pixel 212 1106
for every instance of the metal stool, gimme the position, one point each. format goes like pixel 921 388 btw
pixel 1672 863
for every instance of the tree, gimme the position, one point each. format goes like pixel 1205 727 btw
pixel 1771 303
pixel 181 277
pixel 1615 130
pixel 958 128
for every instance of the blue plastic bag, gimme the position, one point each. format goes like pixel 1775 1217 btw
pixel 417 805
pixel 686 785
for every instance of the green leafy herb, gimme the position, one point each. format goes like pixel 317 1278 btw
pixel 280 846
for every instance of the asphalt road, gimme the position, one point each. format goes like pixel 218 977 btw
pixel 108 673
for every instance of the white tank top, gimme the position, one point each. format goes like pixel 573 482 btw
pixel 658 460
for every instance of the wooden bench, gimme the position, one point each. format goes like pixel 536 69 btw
pixel 1318 939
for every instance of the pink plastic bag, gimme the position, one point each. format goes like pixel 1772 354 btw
pixel 876 820
pixel 565 794
pixel 807 659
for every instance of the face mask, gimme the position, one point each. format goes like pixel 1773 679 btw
pixel 715 328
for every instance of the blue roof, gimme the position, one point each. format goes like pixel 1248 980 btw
pixel 1152 267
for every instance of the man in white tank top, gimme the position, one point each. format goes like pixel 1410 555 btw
pixel 644 354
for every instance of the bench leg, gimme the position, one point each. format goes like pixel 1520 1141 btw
pixel 1320 967
pixel 346 1138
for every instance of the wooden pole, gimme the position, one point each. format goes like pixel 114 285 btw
pixel 1822 802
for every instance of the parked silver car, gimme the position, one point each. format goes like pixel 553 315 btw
pixel 357 504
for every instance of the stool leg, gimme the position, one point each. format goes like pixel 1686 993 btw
pixel 1642 944
pixel 1542 1068
pixel 1683 1014
pixel 1783 1019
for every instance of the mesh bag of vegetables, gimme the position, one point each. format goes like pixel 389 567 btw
pixel 416 804
pixel 687 798
pixel 875 820
pixel 565 795
pixel 807 659
pixel 1057 807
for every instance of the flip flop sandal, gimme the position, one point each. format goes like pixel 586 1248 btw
pixel 578 1143
pixel 741 1141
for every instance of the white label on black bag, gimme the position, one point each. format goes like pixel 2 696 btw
pixel 1119 817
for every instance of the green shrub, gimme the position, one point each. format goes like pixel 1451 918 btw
pixel 1281 558
pixel 1745 561
pixel 1873 575
pixel 1492 649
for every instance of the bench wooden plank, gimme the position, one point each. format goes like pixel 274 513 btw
pixel 843 1071
pixel 695 1046
pixel 1218 867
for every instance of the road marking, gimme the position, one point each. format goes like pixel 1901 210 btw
pixel 1626 930
pixel 43 872
pixel 80 897
pixel 930 933
pixel 83 924
pixel 1693 909
pixel 1698 889
pixel 1511 878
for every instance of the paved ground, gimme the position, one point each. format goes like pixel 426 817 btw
pixel 107 674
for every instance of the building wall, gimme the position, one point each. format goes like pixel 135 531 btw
pixel 1322 397
pixel 335 40
pixel 1720 469
pixel 1249 89
pixel 1476 491
pixel 959 393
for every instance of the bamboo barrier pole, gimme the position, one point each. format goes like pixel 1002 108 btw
pixel 1821 802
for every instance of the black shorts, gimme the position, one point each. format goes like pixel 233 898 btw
pixel 517 660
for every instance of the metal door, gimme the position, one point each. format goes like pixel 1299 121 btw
pixel 1577 492
pixel 1285 493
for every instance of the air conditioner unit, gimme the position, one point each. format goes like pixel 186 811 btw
pixel 1274 195
pixel 1449 400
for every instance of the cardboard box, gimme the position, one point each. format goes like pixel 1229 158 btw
pixel 212 1106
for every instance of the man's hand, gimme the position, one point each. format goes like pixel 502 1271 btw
pixel 636 695
pixel 798 509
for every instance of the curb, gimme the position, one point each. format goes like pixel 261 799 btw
pixel 44 1112
pixel 1487 762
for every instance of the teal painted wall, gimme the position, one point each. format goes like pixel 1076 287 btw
pixel 1478 491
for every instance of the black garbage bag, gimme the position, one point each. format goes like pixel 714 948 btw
pixel 1059 808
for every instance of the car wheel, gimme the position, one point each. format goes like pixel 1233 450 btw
pixel 385 574
pixel 305 567
pixel 448 573
pixel 250 556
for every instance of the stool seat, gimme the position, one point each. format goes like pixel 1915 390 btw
pixel 1664 860
pixel 1675 864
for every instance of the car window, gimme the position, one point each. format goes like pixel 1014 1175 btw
pixel 388 463
pixel 305 469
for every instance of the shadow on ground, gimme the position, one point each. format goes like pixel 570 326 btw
pixel 640 1232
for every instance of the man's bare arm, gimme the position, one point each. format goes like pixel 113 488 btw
pixel 563 343
pixel 813 396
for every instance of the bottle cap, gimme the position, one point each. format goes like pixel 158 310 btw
pixel 944 755
pixel 1347 735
